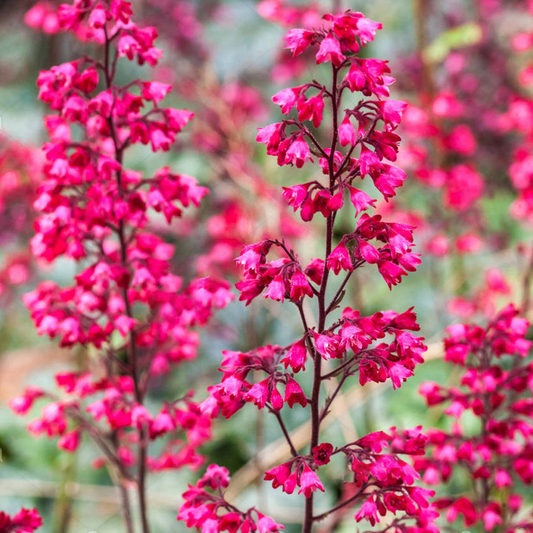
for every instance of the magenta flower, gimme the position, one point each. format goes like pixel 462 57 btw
pixel 298 152
pixel 309 482
pixel 339 259
pixel 330 51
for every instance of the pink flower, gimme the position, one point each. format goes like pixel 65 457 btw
pixel 368 252
pixel 279 474
pixel 22 404
pixel 392 111
pixel 330 50
pixel 69 441
pixel 322 453
pixel 462 140
pixel 360 200
pixel 154 91
pixel 97 18
pixel 368 511
pixel 294 393
pixel 390 272
pixel 299 286
pixel 298 40
pixel 298 152
pixel 162 423
pixel 468 243
pixel 347 133
pixel 25 521
pixel 327 346
pixel 309 482
pixel 315 271
pixel 312 109
pixel 339 259
pixel 296 356
pixel 266 524
pixel 287 98
pixel 271 136
pixel 262 392
pixel 465 507
pixel 276 289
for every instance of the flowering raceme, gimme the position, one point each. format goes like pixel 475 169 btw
pixel 496 453
pixel 379 348
pixel 126 302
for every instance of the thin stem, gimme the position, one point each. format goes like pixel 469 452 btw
pixel 118 480
pixel 110 69
pixel 126 507
pixel 277 414
pixel 322 315
pixel 340 505
pixel 332 397
pixel 341 288
pixel 526 285
pixel 303 317
pixel 339 368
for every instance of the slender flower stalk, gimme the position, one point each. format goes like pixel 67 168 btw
pixel 378 348
pixel 126 304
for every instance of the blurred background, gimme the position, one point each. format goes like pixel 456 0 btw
pixel 463 65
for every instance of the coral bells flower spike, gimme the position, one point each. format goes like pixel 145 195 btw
pixel 126 303
pixel 377 348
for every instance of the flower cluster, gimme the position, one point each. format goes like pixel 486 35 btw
pixel 126 303
pixel 205 507
pixel 496 390
pixel 25 521
pixel 425 131
pixel 378 348
pixel 351 341
pixel 99 408
pixel 391 477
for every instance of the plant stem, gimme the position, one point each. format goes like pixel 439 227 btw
pixel 277 414
pixel 132 348
pixel 526 285
pixel 322 307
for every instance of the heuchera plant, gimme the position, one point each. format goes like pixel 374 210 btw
pixel 126 303
pixel 361 143
pixel 496 449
